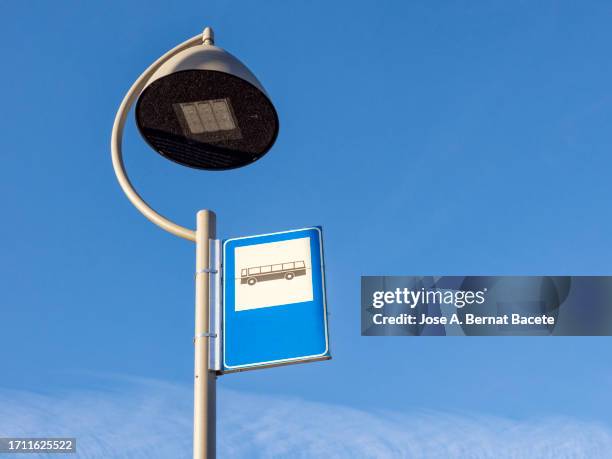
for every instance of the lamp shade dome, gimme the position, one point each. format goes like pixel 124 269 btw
pixel 203 108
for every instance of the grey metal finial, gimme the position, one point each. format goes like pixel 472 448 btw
pixel 208 36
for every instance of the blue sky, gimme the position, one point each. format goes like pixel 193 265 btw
pixel 426 139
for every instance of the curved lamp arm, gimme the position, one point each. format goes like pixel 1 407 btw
pixel 117 138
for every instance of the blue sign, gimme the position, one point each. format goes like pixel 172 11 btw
pixel 274 310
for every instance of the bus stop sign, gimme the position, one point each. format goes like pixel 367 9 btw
pixel 274 310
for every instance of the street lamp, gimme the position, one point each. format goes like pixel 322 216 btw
pixel 201 107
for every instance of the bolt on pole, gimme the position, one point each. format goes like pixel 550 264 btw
pixel 204 412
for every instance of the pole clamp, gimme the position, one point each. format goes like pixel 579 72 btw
pixel 204 335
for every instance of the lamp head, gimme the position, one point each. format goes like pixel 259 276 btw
pixel 203 108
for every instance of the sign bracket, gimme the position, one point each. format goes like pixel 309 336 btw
pixel 216 304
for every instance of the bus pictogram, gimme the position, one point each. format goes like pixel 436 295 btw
pixel 263 273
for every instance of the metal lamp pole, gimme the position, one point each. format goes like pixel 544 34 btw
pixel 204 420
pixel 205 382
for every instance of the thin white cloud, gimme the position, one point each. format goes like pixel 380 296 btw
pixel 152 419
